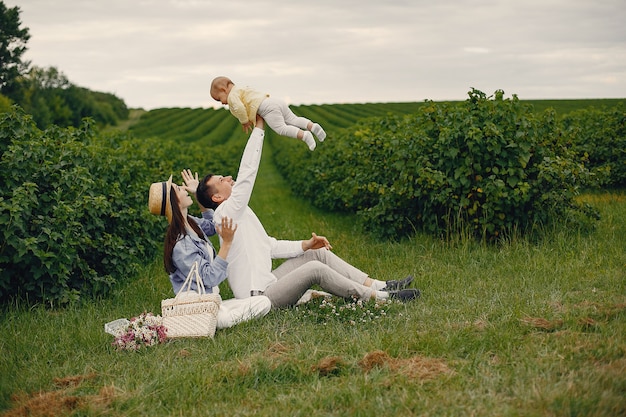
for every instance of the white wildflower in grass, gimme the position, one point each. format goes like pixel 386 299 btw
pixel 333 309
pixel 143 330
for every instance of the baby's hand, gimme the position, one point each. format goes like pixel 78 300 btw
pixel 247 127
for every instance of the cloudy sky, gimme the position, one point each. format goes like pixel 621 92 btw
pixel 164 53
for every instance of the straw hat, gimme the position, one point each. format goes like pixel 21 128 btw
pixel 159 199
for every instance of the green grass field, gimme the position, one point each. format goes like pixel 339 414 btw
pixel 518 329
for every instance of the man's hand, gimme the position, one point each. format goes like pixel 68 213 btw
pixel 316 242
pixel 191 181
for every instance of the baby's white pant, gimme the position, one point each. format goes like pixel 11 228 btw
pixel 233 310
pixel 281 119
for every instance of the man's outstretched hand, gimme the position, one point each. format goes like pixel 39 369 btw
pixel 259 122
pixel 316 242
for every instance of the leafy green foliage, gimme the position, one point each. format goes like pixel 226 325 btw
pixel 72 209
pixel 485 167
pixel 51 98
pixel 5 104
pixel 599 135
pixel 13 40
pixel 73 215
pixel 213 139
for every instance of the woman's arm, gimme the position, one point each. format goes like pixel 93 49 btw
pixel 206 222
pixel 186 253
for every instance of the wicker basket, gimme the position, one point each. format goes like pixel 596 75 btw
pixel 190 313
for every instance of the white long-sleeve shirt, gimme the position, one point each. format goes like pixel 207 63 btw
pixel 252 250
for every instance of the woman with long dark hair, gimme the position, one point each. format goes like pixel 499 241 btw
pixel 186 243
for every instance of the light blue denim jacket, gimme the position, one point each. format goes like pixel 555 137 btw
pixel 190 249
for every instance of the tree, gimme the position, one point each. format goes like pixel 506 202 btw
pixel 12 46
pixel 51 98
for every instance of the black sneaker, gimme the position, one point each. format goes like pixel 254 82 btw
pixel 406 294
pixel 393 284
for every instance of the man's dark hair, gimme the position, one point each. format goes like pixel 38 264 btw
pixel 204 193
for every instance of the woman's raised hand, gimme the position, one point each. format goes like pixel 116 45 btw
pixel 191 180
pixel 226 230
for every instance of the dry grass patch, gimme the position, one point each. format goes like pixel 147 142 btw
pixel 72 381
pixel 61 402
pixel 416 367
pixel 542 324
pixel 330 365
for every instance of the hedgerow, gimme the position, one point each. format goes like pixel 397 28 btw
pixel 600 136
pixel 73 213
pixel 73 206
pixel 486 167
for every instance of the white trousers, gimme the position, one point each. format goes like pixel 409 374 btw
pixel 233 310
pixel 316 267
pixel 281 119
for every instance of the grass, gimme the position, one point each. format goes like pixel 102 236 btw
pixel 519 329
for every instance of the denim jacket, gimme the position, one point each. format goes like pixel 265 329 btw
pixel 190 249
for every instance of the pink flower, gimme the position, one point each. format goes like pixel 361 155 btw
pixel 144 330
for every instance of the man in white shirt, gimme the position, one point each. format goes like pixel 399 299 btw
pixel 310 262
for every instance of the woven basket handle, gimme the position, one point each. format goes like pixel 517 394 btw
pixel 187 284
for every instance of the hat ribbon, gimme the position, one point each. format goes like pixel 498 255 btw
pixel 164 200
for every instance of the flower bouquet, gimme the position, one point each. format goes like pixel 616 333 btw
pixel 144 330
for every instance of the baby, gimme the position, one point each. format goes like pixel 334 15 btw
pixel 245 103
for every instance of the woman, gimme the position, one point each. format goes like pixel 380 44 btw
pixel 186 242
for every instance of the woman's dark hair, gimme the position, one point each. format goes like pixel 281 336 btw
pixel 175 230
pixel 204 193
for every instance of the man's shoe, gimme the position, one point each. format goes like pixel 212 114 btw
pixel 404 295
pixel 393 284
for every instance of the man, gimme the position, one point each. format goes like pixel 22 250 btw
pixel 309 262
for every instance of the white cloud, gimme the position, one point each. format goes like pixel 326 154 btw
pixel 163 53
pixel 476 50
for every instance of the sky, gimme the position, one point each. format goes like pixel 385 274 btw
pixel 164 53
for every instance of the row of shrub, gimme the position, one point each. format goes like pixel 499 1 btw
pixel 73 206
pixel 486 167
pixel 598 135
pixel 73 209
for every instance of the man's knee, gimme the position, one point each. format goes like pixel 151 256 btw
pixel 316 254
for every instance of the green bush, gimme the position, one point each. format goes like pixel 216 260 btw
pixel 73 209
pixel 5 104
pixel 600 136
pixel 485 167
